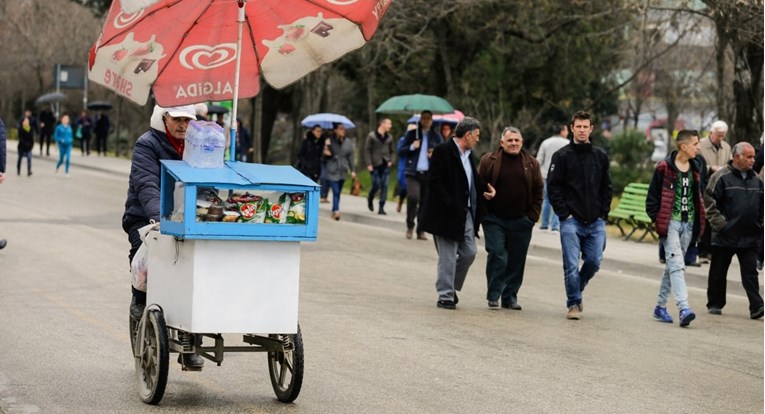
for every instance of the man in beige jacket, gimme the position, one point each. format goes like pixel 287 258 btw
pixel 716 153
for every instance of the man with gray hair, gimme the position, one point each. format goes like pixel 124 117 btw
pixel 450 209
pixel 517 178
pixel 716 153
pixel 734 206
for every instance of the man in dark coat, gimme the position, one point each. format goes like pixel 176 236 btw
pixel 163 141
pixel 734 203
pixel 309 155
pixel 451 206
pixel 417 148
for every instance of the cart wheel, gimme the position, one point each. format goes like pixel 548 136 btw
pixel 286 368
pixel 152 365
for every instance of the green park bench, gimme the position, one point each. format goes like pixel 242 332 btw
pixel 631 212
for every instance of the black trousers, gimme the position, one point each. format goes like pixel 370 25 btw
pixel 417 188
pixel 718 275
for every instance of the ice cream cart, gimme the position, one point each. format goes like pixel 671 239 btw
pixel 225 261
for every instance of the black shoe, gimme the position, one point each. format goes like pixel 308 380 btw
pixel 662 261
pixel 694 264
pixel 493 304
pixel 446 304
pixel 191 361
pixel 382 212
pixel 3 242
pixel 512 305
pixel 370 204
pixel 136 309
pixel 715 311
pixel 456 299
pixel 757 314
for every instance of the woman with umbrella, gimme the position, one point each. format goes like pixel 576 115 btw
pixel 64 138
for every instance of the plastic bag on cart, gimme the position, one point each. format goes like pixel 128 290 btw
pixel 139 269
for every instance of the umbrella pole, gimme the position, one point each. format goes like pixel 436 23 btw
pixel 240 21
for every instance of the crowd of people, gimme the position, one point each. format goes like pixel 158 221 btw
pixel 705 199
pixel 63 132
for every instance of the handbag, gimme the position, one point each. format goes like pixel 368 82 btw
pixel 78 134
pixel 356 187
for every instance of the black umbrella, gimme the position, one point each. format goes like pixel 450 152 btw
pixel 99 105
pixel 217 109
pixel 52 97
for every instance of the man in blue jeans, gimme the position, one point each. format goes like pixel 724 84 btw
pixel 675 203
pixel 579 188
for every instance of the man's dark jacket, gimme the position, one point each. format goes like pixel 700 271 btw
pixel 434 138
pixel 446 202
pixel 734 204
pixel 142 202
pixel 579 183
pixel 662 191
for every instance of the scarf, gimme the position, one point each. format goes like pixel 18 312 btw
pixel 178 144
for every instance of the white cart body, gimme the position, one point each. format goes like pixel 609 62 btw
pixel 225 286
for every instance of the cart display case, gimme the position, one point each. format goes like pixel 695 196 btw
pixel 284 207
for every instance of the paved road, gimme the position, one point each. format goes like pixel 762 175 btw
pixel 375 342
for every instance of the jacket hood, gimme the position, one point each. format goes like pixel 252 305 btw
pixel 156 121
pixel 695 162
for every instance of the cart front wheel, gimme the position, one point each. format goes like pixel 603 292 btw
pixel 152 364
pixel 286 368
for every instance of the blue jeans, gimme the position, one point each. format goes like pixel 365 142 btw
pixel 64 152
pixel 675 245
pixel 548 215
pixel 587 241
pixel 337 188
pixel 380 182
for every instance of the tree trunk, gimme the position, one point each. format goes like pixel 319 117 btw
pixel 747 94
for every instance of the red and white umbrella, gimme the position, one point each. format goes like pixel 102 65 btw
pixel 190 51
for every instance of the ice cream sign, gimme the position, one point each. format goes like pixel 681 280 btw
pixel 307 43
pixel 129 67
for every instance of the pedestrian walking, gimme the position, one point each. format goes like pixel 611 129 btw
pixel 579 184
pixel 244 147
pixel 26 143
pixel 47 127
pixel 417 148
pixel 549 147
pixel 510 217
pixel 309 156
pixel 64 137
pixel 675 204
pixel 102 129
pixel 3 242
pixel 84 126
pixel 401 190
pixel 716 153
pixel 379 158
pixel 734 203
pixel 339 153
pixel 450 209
pixel 163 141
